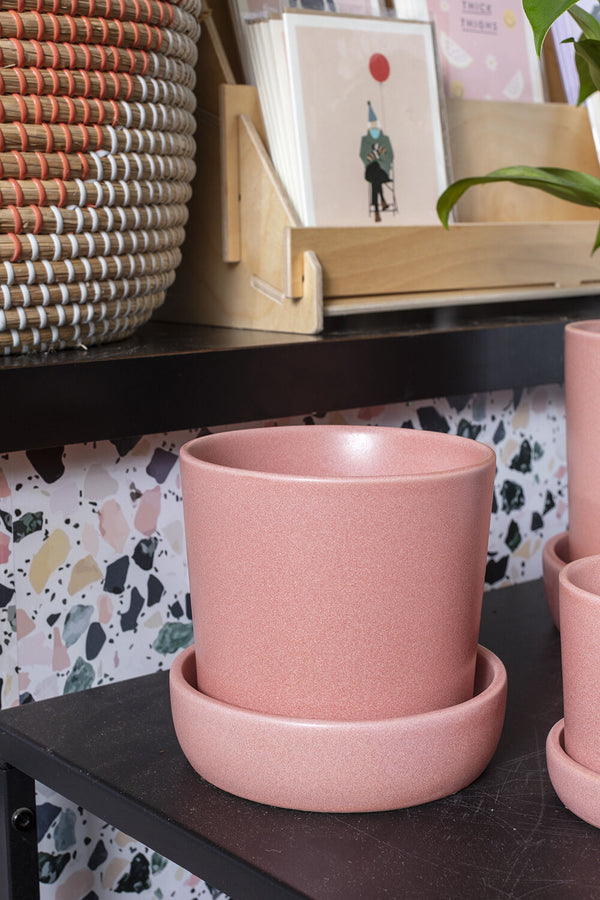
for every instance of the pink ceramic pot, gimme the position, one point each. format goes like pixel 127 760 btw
pixel 582 405
pixel 336 572
pixel 579 597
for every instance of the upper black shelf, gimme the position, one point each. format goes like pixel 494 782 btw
pixel 171 376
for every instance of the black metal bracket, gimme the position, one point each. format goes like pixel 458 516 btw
pixel 18 836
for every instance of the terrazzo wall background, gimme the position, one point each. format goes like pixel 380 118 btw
pixel 93 583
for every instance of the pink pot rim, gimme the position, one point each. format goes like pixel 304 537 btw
pixel 569 573
pixel 487 456
pixel 183 667
pixel 586 327
pixel 552 545
pixel 553 561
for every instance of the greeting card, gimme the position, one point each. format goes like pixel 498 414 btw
pixel 367 119
pixel 486 50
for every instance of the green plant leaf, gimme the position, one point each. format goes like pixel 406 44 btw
pixel 541 15
pixel 586 82
pixel 576 187
pixel 587 52
pixel 590 27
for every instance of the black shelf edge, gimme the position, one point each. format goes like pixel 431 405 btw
pixel 172 376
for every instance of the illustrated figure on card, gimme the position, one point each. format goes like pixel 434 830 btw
pixel 367 119
pixel 377 155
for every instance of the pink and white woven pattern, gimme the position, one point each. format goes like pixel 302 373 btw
pixel 96 161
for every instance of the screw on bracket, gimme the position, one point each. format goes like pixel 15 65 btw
pixel 22 819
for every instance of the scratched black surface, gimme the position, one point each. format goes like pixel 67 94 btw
pixel 506 836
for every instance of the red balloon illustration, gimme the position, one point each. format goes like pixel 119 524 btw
pixel 379 67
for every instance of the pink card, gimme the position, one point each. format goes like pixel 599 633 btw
pixel 486 50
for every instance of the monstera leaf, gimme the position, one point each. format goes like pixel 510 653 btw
pixel 577 187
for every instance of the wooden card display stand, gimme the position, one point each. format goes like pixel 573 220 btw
pixel 249 263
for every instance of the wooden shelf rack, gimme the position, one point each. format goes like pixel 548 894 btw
pixel 249 263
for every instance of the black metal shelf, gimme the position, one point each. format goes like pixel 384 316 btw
pixel 113 750
pixel 171 376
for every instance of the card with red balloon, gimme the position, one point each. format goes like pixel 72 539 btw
pixel 367 117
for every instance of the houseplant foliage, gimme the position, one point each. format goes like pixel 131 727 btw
pixel 576 187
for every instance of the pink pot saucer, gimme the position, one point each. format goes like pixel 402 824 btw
pixel 576 786
pixel 339 766
pixel 555 556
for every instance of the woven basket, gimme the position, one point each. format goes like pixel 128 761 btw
pixel 182 18
pixel 113 9
pixel 96 161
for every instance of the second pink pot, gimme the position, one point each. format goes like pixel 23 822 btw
pixel 582 407
pixel 336 572
pixel 579 596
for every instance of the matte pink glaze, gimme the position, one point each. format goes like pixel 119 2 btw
pixel 576 786
pixel 555 556
pixel 339 766
pixel 336 572
pixel 582 406
pixel 579 598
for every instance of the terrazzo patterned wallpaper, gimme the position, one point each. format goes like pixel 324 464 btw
pixel 93 584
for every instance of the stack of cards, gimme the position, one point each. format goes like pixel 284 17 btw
pixel 353 116
pixel 243 12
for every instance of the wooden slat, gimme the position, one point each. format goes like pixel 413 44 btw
pixel 233 103
pixel 434 299
pixel 485 136
pixel 213 67
pixel 470 256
